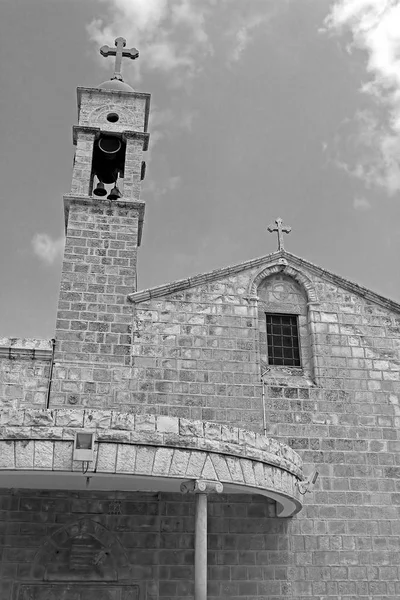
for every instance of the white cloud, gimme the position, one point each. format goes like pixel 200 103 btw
pixel 160 121
pixel 170 34
pixel 176 36
pixel 47 248
pixel 361 203
pixel 158 189
pixel 375 29
pixel 243 33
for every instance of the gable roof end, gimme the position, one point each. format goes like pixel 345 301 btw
pixel 292 260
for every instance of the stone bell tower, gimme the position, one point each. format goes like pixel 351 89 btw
pixel 104 220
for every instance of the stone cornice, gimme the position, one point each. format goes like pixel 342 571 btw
pixel 151 430
pixel 138 135
pixel 25 349
pixel 169 451
pixel 84 129
pixel 273 258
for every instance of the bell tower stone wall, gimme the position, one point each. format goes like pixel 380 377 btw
pixel 94 318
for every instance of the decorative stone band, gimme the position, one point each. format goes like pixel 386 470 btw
pixel 149 447
pixel 197 486
pixel 25 349
pixel 151 430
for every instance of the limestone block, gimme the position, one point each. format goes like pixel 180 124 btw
pixel 69 417
pixel 212 431
pixel 16 433
pixel 275 446
pixel 172 439
pixel 285 482
pixel 195 464
pixel 232 448
pixel 247 437
pixel 207 445
pixel 259 474
pixel 191 428
pixel 167 424
pixel 229 434
pixel 126 458
pixel 38 397
pixel 24 454
pixel 107 458
pixel 208 471
pixel 11 416
pixel 146 437
pixel 38 417
pixel 43 457
pixel 221 467
pixel 123 421
pixel 162 461
pixel 235 469
pixel 180 460
pixel 144 460
pixel 13 391
pixel 172 329
pixel 247 469
pixel 251 452
pixel 269 477
pixel 68 433
pixel 113 435
pixel 63 456
pixel 7 455
pixel 52 433
pixel 99 419
pixel 262 442
pixel 145 423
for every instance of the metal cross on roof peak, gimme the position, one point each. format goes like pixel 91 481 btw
pixel 119 52
pixel 280 228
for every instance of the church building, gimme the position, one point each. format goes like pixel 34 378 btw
pixel 231 435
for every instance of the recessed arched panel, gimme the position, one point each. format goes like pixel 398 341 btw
pixel 302 279
pixel 280 289
pixel 81 551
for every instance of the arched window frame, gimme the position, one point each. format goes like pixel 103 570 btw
pixel 309 367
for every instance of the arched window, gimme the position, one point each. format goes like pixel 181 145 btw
pixel 283 324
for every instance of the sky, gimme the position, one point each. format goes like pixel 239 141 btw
pixel 260 109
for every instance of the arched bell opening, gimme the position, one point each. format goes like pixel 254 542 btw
pixel 108 165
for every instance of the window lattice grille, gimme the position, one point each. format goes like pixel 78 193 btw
pixel 283 340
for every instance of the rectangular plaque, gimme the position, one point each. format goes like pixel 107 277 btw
pixel 76 591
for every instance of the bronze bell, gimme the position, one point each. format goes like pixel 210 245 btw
pixel 114 194
pixel 100 190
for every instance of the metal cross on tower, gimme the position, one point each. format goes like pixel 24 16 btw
pixel 119 52
pixel 280 228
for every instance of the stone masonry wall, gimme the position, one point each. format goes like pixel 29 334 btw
pixel 194 354
pixel 94 320
pixel 152 541
pixel 131 109
pixel 24 372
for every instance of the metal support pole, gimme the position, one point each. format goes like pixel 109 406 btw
pixel 200 548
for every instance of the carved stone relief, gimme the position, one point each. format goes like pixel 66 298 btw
pixel 82 551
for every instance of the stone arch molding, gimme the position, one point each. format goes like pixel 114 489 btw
pixel 151 450
pixel 98 116
pixel 83 550
pixel 283 267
